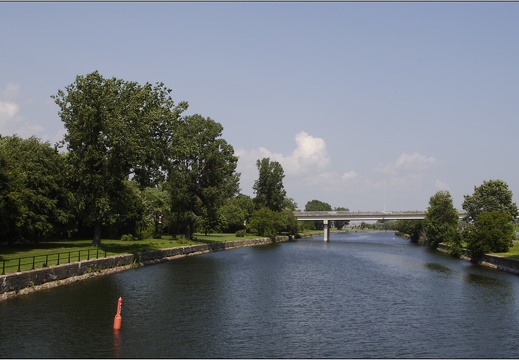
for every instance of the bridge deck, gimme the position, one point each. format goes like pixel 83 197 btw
pixel 363 215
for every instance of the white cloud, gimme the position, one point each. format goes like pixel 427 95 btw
pixel 11 91
pixel 307 163
pixel 8 110
pixel 415 162
pixel 441 185
pixel 310 154
pixel 349 175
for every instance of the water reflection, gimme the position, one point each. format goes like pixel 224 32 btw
pixel 116 349
pixel 357 296
pixel 483 280
pixel 438 267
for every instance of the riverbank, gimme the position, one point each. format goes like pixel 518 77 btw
pixel 12 285
pixel 492 261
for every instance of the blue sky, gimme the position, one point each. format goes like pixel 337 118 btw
pixel 369 106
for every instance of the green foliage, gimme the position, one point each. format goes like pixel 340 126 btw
pixel 35 202
pixel 441 219
pixel 456 247
pixel 492 195
pixel 114 128
pixel 127 237
pixel 413 228
pixel 155 209
pixel 317 205
pixel 289 203
pixel 269 189
pixel 290 223
pixel 491 232
pixel 236 212
pixel 266 222
pixel 201 173
pixel 240 233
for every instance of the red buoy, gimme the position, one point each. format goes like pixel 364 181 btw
pixel 118 318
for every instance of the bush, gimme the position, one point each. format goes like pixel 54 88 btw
pixel 127 237
pixel 240 233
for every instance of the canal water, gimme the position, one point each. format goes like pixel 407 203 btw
pixel 361 295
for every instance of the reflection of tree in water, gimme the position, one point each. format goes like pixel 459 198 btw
pixel 484 280
pixel 438 267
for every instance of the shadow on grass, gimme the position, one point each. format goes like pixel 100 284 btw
pixel 6 249
pixel 206 241
pixel 126 248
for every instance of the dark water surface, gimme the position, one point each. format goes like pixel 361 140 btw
pixel 367 295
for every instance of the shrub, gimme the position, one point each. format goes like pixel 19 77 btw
pixel 127 237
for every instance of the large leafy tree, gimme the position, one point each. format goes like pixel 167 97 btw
pixel 441 219
pixel 491 232
pixel 35 203
pixel 269 189
pixel 492 195
pixel 201 173
pixel 115 129
pixel 317 205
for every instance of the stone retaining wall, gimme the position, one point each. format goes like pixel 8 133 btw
pixel 492 261
pixel 28 281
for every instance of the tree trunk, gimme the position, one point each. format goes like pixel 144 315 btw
pixel 97 235
pixel 188 234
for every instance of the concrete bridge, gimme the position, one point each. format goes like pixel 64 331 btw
pixel 327 216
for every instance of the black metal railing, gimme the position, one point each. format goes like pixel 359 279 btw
pixel 42 261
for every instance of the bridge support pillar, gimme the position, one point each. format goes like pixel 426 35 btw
pixel 326 226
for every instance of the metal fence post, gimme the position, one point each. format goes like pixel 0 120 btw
pixel 19 263
pixel 58 259
pixel 69 257
pixel 33 260
pixel 3 267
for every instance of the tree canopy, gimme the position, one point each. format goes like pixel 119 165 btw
pixel 115 129
pixel 317 205
pixel 441 219
pixel 34 200
pixel 491 232
pixel 269 189
pixel 492 195
pixel 201 173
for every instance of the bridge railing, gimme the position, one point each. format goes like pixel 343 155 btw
pixel 357 212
